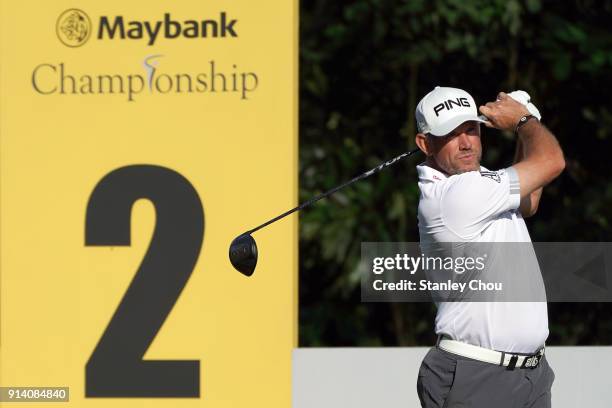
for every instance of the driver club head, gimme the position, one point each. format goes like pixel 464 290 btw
pixel 243 254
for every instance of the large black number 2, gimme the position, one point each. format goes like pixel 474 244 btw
pixel 116 367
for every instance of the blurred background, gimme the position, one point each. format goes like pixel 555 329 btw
pixel 364 64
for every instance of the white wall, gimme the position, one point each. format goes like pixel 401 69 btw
pixel 386 377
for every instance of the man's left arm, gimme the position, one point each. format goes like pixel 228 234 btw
pixel 529 204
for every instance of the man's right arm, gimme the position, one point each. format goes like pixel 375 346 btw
pixel 529 205
pixel 542 159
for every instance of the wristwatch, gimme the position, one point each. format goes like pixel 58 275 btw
pixel 522 121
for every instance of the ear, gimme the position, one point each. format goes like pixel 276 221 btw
pixel 421 141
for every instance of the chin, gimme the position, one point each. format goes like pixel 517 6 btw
pixel 466 169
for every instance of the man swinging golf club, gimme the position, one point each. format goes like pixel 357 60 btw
pixel 488 354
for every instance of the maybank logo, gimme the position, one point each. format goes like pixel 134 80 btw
pixel 61 79
pixel 74 27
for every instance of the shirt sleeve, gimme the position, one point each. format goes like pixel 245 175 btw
pixel 470 201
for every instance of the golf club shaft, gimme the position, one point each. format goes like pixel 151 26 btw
pixel 333 190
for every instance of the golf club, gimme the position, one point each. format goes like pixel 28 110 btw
pixel 243 249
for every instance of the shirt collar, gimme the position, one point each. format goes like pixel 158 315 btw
pixel 427 173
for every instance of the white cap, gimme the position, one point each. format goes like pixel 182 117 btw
pixel 443 109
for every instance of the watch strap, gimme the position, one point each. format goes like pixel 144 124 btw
pixel 522 122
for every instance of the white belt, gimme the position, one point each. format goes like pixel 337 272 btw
pixel 491 356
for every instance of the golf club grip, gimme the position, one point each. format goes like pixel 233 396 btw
pixel 333 190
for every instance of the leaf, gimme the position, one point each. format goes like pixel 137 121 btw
pixel 533 6
pixel 562 67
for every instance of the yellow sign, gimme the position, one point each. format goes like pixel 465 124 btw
pixel 136 141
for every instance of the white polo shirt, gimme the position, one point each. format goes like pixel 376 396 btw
pixel 482 206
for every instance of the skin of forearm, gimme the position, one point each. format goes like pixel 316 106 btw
pixel 541 152
pixel 529 205
pixel 537 142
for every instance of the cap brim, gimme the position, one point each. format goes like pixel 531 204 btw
pixel 445 128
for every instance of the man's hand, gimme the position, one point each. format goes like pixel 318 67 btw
pixel 504 113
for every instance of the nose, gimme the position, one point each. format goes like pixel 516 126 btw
pixel 464 142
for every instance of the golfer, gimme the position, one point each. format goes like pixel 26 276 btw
pixel 488 354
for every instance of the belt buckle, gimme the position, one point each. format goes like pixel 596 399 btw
pixel 534 360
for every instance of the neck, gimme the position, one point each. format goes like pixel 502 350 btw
pixel 431 162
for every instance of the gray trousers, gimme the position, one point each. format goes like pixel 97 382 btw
pixel 452 381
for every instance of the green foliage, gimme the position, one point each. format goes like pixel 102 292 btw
pixel 364 64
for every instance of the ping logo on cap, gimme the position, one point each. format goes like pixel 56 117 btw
pixel 448 104
pixel 443 109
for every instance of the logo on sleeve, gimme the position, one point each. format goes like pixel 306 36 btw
pixel 493 175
